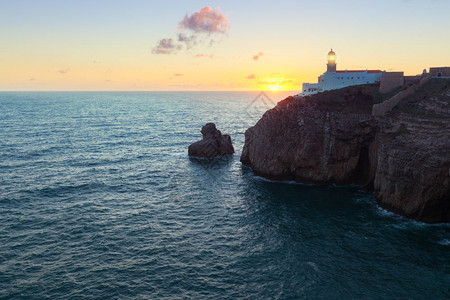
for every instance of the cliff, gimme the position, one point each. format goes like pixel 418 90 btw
pixel 333 137
pixel 413 174
pixel 325 138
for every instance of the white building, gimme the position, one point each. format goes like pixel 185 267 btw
pixel 333 79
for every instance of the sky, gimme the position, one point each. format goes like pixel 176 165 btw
pixel 151 45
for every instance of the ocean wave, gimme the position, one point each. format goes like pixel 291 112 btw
pixel 444 242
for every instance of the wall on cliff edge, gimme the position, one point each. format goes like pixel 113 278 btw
pixel 386 106
pixel 390 81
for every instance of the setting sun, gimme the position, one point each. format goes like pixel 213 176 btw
pixel 274 87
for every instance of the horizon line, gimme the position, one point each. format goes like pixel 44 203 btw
pixel 144 91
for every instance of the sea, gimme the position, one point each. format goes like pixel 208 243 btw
pixel 99 200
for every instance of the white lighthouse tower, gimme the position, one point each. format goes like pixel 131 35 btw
pixel 334 79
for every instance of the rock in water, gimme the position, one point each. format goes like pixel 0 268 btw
pixel 213 143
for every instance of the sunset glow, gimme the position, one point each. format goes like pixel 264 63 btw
pixel 206 149
pixel 274 87
pixel 179 45
pixel 276 84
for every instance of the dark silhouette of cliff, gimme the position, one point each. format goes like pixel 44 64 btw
pixel 332 137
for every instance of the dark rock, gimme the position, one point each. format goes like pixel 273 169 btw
pixel 413 174
pixel 213 144
pixel 332 137
pixel 323 140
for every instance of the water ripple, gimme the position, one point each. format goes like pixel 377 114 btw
pixel 99 200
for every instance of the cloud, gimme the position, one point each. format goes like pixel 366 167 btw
pixel 257 56
pixel 251 76
pixel 202 55
pixel 275 81
pixel 202 27
pixel 188 40
pixel 31 79
pixel 166 46
pixel 206 20
pixel 283 82
pixel 178 74
pixel 64 71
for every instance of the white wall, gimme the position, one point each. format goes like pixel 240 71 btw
pixel 332 81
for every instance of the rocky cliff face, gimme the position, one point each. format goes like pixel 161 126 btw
pixel 327 138
pixel 332 137
pixel 413 174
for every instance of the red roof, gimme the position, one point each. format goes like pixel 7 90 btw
pixel 360 71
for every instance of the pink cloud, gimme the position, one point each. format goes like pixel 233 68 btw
pixel 201 27
pixel 251 76
pixel 177 74
pixel 207 20
pixel 257 56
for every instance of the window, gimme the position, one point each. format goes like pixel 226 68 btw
pixel 439 74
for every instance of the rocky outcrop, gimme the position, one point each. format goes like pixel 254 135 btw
pixel 213 143
pixel 327 138
pixel 333 137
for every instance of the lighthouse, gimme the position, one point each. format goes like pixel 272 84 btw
pixel 331 65
pixel 334 79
